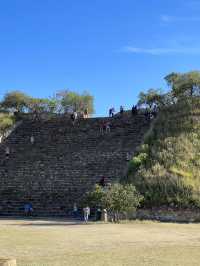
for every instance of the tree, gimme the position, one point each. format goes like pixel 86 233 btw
pixel 62 102
pixel 42 105
pixel 184 85
pixel 172 79
pixel 72 101
pixel 15 101
pixel 122 199
pixel 151 98
pixel 167 99
pixel 117 199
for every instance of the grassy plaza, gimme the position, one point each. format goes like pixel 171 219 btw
pixel 60 242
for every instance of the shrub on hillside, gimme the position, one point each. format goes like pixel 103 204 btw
pixel 6 122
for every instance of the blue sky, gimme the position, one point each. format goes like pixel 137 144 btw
pixel 112 48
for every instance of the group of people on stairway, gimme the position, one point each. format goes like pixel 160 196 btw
pixel 75 115
pixel 77 213
pixel 104 126
pixel 112 112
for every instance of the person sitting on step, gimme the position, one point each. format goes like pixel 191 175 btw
pixel 7 152
pixel 102 181
pixel 108 126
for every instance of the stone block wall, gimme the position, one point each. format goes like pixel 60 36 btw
pixel 169 215
pixel 64 162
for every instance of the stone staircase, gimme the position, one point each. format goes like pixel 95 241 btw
pixel 64 162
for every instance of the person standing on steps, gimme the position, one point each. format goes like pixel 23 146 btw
pixel 32 139
pixel 82 116
pixel 28 209
pixel 134 110
pixel 86 113
pixel 86 213
pixel 74 117
pixel 111 112
pixel 121 110
pixel 98 214
pixel 147 114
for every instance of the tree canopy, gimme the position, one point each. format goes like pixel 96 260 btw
pixel 15 101
pixel 184 85
pixel 72 101
pixel 150 99
pixel 62 102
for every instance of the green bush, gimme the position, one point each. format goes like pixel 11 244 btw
pixel 6 122
pixel 137 161
pixel 117 199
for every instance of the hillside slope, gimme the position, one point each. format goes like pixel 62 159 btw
pixel 166 170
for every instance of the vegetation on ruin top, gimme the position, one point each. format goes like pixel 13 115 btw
pixel 166 168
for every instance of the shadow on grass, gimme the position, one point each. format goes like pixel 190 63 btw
pixel 41 222
pixel 51 224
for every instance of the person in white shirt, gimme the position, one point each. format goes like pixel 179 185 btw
pixel 32 139
pixel 86 213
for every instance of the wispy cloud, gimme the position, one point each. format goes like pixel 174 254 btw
pixel 162 51
pixel 171 19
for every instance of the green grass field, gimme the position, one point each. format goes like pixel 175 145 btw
pixel 60 242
